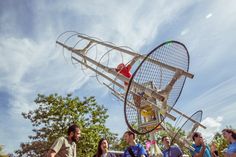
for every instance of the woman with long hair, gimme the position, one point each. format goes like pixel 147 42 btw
pixel 230 136
pixel 102 150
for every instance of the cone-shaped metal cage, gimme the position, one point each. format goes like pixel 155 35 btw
pixel 154 87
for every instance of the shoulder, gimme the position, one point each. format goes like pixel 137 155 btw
pixel 232 148
pixel 141 149
pixel 60 139
pixel 194 150
pixel 59 142
pixel 175 147
pixel 233 145
pixel 196 147
pixel 139 145
pixel 164 151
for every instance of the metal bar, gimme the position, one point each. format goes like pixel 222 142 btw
pixel 185 142
pixel 120 97
pixel 120 76
pixel 103 75
pixel 187 74
pixel 109 70
pixel 146 101
pixel 184 115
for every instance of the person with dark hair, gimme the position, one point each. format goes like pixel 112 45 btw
pixel 102 150
pixel 200 147
pixel 230 136
pixel 170 150
pixel 134 149
pixel 66 146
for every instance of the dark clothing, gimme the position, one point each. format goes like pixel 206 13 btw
pixel 109 154
pixel 173 151
pixel 137 150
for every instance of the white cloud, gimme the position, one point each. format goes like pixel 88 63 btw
pixel 213 126
pixel 185 31
pixel 32 65
pixel 205 37
pixel 218 101
pixel 213 88
pixel 208 15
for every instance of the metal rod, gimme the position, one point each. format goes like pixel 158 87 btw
pixel 187 74
pixel 145 101
pixel 121 77
pixel 112 71
pixel 103 75
pixel 184 115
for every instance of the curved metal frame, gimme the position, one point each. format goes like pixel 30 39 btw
pixel 132 78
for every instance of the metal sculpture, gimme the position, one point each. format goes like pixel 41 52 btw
pixel 148 84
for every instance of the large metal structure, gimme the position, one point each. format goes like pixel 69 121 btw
pixel 151 92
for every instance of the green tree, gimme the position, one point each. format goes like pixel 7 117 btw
pixel 220 143
pixel 55 114
pixel 2 154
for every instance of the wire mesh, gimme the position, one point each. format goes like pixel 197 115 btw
pixel 187 128
pixel 95 49
pixel 171 53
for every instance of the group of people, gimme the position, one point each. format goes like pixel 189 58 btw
pixel 66 146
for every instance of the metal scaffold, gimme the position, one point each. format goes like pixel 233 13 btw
pixel 148 84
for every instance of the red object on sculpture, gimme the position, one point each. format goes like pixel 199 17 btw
pixel 124 70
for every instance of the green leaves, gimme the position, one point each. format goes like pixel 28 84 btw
pixel 1 152
pixel 55 114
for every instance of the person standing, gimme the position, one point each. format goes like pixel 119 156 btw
pixel 170 150
pixel 230 136
pixel 66 146
pixel 102 150
pixel 134 149
pixel 200 147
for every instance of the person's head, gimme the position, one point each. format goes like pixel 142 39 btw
pixel 229 134
pixel 120 66
pixel 197 138
pixel 102 147
pixel 74 133
pixel 129 137
pixel 166 141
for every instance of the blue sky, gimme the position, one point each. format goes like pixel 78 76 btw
pixel 30 63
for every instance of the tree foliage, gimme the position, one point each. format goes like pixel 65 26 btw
pixel 55 114
pixel 2 154
pixel 220 143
